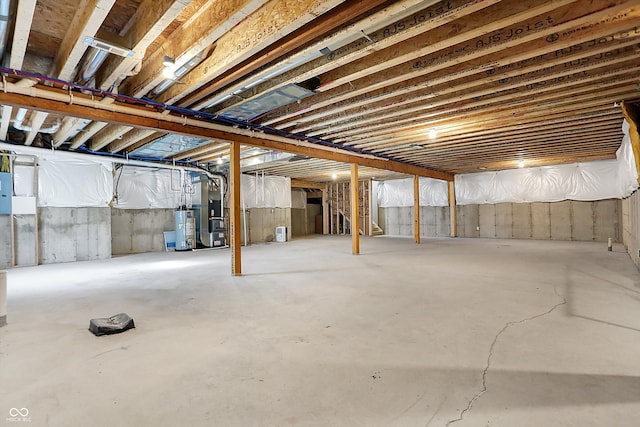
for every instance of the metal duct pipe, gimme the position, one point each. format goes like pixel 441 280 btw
pixel 51 129
pixel 5 8
pixel 89 67
pixel 19 120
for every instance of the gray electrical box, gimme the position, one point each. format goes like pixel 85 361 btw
pixel 6 191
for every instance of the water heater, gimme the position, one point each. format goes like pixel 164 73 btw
pixel 185 230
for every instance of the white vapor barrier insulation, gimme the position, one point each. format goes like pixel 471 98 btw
pixel 149 188
pixel 66 182
pixel 607 179
pixel 265 191
pixel 298 199
pixel 399 192
pixel 23 180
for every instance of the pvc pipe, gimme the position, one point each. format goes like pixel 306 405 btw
pixel 48 154
pixel 3 298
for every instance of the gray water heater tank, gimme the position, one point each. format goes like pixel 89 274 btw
pixel 185 230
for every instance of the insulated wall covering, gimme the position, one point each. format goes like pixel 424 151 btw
pixel 265 192
pixel 399 193
pixel 298 199
pixel 69 182
pixel 150 188
pixel 599 180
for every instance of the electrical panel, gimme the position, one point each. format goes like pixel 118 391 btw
pixel 6 191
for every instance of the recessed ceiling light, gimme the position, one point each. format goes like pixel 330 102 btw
pixel 334 176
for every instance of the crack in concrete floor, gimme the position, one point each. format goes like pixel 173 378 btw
pixel 493 344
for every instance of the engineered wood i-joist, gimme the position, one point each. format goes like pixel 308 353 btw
pixel 440 83
pixel 504 130
pixel 18 50
pixel 550 83
pixel 233 80
pixel 211 146
pixel 211 22
pixel 433 14
pixel 536 77
pixel 472 29
pixel 505 138
pixel 129 138
pixel 468 59
pixel 271 22
pixel 466 121
pixel 43 99
pixel 90 15
pixel 152 17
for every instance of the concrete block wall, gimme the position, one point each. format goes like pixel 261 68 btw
pixel 5 241
pixel 74 234
pixel 631 226
pixel 140 230
pixel 298 222
pixel 567 220
pixel 303 221
pixel 434 221
pixel 262 223
pixel 64 235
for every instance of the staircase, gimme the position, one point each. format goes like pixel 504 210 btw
pixel 376 230
pixel 346 215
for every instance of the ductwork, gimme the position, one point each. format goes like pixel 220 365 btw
pixel 89 67
pixel 19 120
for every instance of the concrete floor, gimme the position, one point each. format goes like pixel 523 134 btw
pixel 512 333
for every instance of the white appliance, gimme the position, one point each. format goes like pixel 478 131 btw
pixel 281 233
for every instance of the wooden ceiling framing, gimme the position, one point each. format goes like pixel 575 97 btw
pixel 441 87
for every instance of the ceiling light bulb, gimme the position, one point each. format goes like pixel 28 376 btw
pixel 168 73
pixel 433 134
pixel 219 161
pixel 334 176
pixel 521 164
